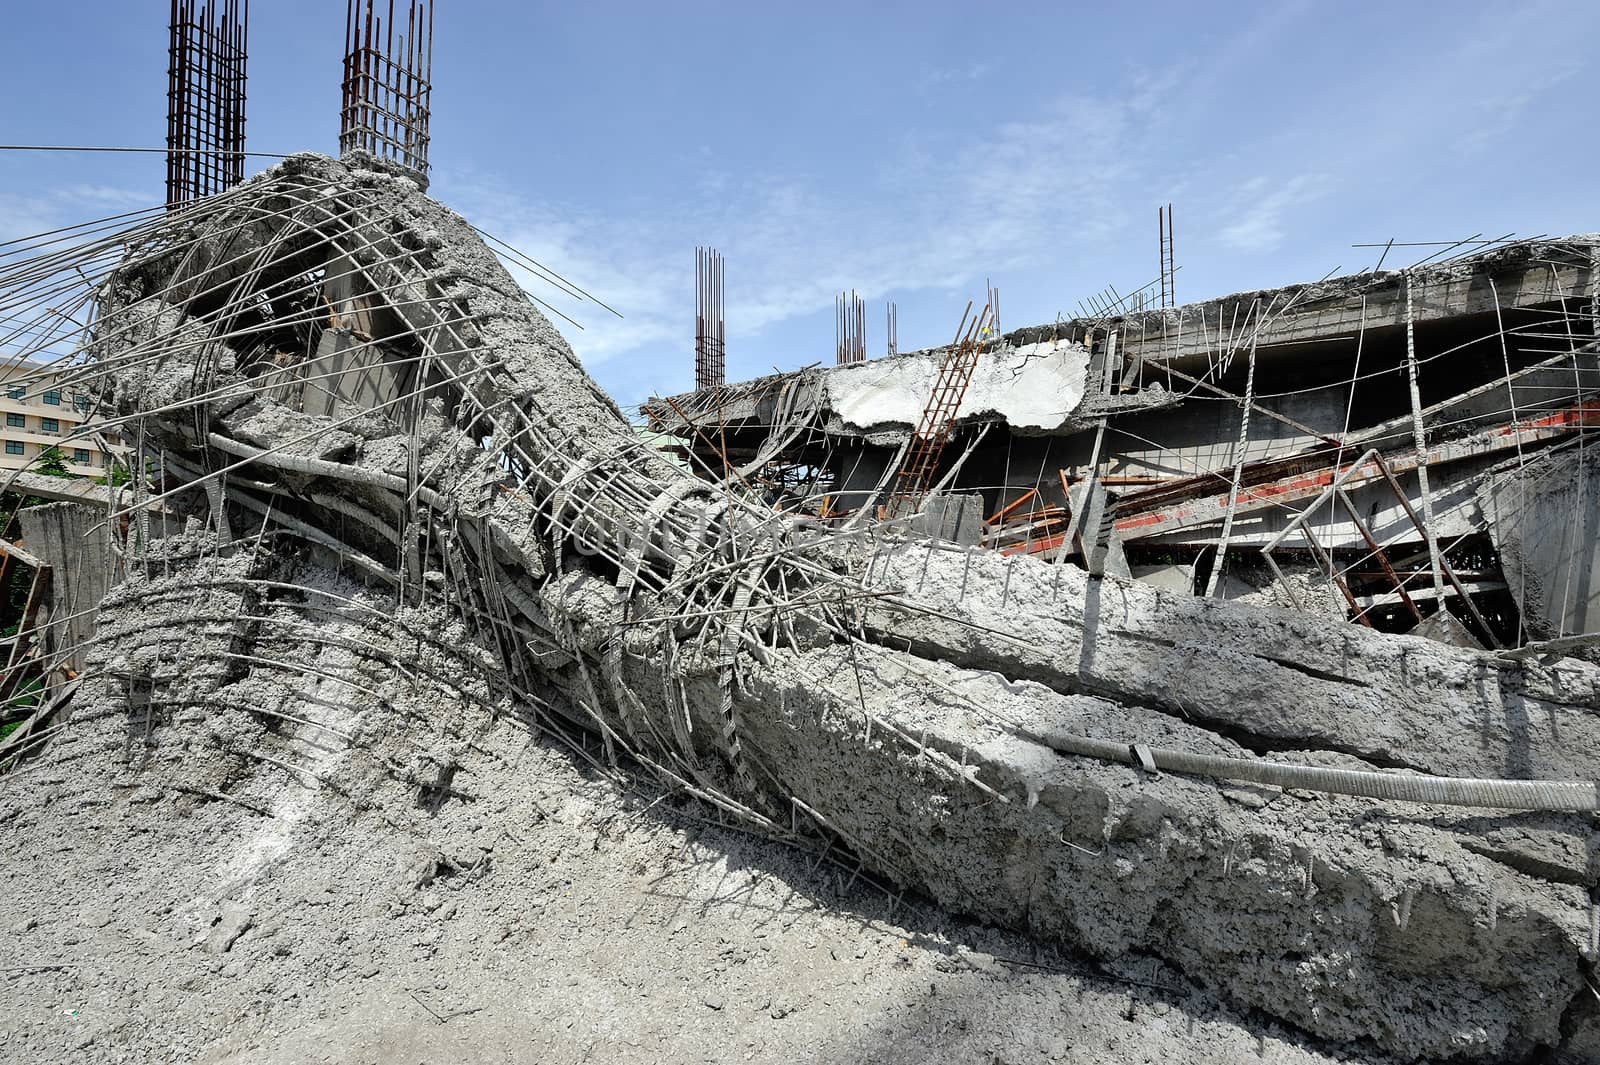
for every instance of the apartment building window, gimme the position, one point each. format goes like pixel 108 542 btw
pixel 13 447
pixel 16 421
pixel 81 402
pixel 50 425
pixel 52 397
pixel 80 456
pixel 15 392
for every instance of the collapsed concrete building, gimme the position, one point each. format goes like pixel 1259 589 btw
pixel 380 503
pixel 1223 426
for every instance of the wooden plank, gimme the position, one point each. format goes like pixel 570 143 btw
pixel 1009 507
pixel 37 721
pixel 20 554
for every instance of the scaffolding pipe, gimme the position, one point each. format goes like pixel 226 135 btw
pixel 1421 440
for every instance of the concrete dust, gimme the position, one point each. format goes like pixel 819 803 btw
pixel 562 920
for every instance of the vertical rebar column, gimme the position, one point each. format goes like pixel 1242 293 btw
pixel 861 329
pixel 710 352
pixel 1169 295
pixel 850 328
pixel 838 330
pixel 387 89
pixel 892 329
pixel 206 58
pixel 1594 290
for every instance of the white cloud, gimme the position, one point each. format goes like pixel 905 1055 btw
pixel 934 77
pixel 86 196
pixel 931 216
pixel 1262 206
pixel 27 215
pixel 22 216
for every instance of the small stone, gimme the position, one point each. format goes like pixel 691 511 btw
pixel 226 928
pixel 978 961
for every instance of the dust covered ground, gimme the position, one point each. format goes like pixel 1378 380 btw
pixel 536 914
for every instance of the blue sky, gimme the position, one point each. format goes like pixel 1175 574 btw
pixel 908 151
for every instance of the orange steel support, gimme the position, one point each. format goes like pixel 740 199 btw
pixel 933 431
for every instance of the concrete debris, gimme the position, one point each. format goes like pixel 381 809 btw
pixel 954 517
pixel 1037 386
pixel 232 922
pixel 420 537
pixel 1544 518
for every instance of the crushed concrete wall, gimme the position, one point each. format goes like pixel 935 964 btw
pixel 955 517
pixel 76 542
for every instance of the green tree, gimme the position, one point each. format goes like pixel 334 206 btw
pixel 52 463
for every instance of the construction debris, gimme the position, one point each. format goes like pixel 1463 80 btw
pixel 410 522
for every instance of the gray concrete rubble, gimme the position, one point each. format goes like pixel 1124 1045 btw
pixel 1544 517
pixel 411 519
pixel 77 544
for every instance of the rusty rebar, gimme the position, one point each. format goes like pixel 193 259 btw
pixel 206 61
pixel 850 329
pixel 1168 268
pixel 387 90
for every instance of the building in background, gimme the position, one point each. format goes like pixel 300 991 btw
pixel 41 412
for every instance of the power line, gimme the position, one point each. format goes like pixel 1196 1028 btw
pixel 104 148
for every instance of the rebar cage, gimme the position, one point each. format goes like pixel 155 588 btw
pixel 205 98
pixel 388 86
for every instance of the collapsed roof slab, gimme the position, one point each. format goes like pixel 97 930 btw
pixel 1045 387
pixel 1534 274
pixel 1028 383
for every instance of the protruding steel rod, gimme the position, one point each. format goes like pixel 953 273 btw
pixel 710 331
pixel 1168 268
pixel 850 329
